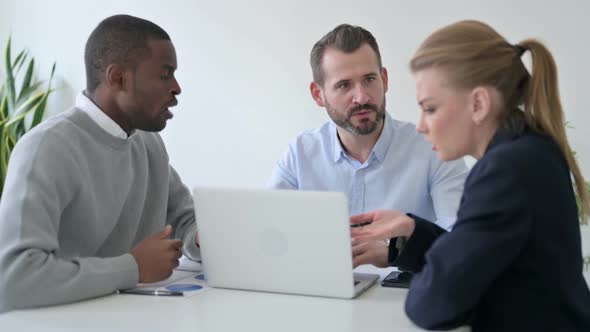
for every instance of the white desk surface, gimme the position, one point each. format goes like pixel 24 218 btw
pixel 377 309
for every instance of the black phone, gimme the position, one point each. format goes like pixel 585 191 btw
pixel 399 279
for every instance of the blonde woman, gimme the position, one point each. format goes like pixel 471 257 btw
pixel 513 260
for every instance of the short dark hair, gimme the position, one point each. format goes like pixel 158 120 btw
pixel 346 38
pixel 118 39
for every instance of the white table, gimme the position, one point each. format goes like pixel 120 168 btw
pixel 377 309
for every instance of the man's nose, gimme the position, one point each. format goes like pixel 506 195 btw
pixel 176 90
pixel 360 96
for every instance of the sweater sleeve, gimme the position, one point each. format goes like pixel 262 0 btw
pixel 40 183
pixel 460 266
pixel 181 215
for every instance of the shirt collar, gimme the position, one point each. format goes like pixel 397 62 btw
pixel 384 140
pixel 380 148
pixel 102 120
pixel 337 146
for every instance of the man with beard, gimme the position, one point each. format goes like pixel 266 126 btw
pixel 379 162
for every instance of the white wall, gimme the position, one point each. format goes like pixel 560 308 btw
pixel 243 65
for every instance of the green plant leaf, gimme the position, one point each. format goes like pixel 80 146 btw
pixel 4 155
pixel 9 79
pixel 40 110
pixel 24 109
pixel 14 121
pixel 27 80
pixel 25 105
pixel 15 126
pixel 4 108
pixel 18 62
pixel 20 130
pixel 17 107
pixel 24 94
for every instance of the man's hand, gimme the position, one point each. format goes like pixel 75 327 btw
pixel 370 252
pixel 157 256
pixel 384 224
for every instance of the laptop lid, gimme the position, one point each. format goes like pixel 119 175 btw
pixel 277 241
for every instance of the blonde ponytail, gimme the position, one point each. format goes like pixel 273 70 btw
pixel 544 113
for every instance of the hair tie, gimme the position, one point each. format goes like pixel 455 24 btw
pixel 519 49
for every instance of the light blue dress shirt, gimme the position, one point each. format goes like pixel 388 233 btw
pixel 401 173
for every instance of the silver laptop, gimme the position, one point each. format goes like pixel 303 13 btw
pixel 282 241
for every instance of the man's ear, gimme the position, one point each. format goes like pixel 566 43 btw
pixel 316 94
pixel 115 77
pixel 385 79
pixel 481 102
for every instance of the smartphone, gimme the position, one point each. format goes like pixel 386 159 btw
pixel 398 279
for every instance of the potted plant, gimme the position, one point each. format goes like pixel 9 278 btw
pixel 585 232
pixel 21 107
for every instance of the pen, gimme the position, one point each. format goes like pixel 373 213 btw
pixel 362 224
pixel 154 292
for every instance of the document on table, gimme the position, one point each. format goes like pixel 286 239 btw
pixel 180 283
pixel 187 264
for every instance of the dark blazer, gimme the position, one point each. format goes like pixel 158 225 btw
pixel 513 261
